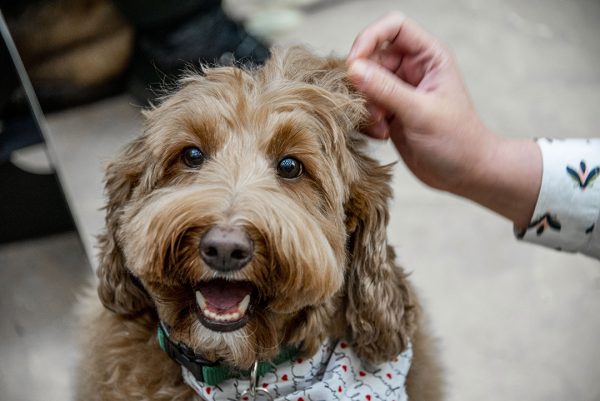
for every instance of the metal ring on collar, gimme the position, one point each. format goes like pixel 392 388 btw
pixel 255 392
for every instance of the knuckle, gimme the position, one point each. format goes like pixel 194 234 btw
pixel 441 52
pixel 443 48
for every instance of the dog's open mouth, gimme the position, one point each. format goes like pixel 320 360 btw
pixel 224 305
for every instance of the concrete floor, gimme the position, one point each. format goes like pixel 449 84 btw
pixel 515 321
pixel 39 282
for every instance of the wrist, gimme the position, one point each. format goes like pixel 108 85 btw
pixel 507 178
pixel 476 165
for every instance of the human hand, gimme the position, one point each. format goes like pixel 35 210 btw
pixel 416 97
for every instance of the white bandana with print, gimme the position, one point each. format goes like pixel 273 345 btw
pixel 333 373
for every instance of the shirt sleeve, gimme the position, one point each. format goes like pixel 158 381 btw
pixel 566 215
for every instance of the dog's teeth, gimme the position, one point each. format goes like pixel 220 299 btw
pixel 226 317
pixel 243 307
pixel 200 300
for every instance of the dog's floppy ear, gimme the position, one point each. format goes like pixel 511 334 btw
pixel 379 308
pixel 380 314
pixel 118 289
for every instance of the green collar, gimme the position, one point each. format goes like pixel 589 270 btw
pixel 213 373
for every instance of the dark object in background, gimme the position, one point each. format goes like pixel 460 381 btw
pixel 30 204
pixel 79 51
pixel 170 38
pixel 75 51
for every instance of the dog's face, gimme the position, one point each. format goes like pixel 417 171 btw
pixel 241 217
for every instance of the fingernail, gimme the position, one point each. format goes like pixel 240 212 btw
pixel 377 114
pixel 360 71
pixel 381 130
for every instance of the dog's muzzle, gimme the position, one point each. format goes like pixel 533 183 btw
pixel 226 248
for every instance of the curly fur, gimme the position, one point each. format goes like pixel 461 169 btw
pixel 322 265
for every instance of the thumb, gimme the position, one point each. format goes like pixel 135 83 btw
pixel 383 87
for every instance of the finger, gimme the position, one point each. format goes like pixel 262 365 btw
pixel 388 59
pixel 377 126
pixel 383 87
pixel 399 138
pixel 404 34
pixel 413 69
pixel 379 130
pixel 375 35
pixel 376 113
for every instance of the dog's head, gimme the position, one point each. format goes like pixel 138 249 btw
pixel 247 217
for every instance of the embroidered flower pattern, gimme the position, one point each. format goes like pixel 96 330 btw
pixel 545 222
pixel 567 209
pixel 583 177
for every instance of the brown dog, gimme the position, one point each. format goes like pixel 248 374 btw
pixel 247 219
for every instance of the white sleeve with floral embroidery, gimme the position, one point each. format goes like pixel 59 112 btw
pixel 566 215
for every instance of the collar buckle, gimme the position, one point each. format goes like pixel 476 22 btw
pixel 255 392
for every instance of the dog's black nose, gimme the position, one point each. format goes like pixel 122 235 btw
pixel 226 248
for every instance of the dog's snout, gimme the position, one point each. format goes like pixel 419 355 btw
pixel 226 248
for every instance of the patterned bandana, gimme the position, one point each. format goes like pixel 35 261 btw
pixel 333 373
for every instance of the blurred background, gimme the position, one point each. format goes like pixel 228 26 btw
pixel 514 321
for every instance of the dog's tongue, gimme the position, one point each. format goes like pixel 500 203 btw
pixel 224 295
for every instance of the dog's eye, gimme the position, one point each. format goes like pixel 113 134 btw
pixel 192 156
pixel 289 167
